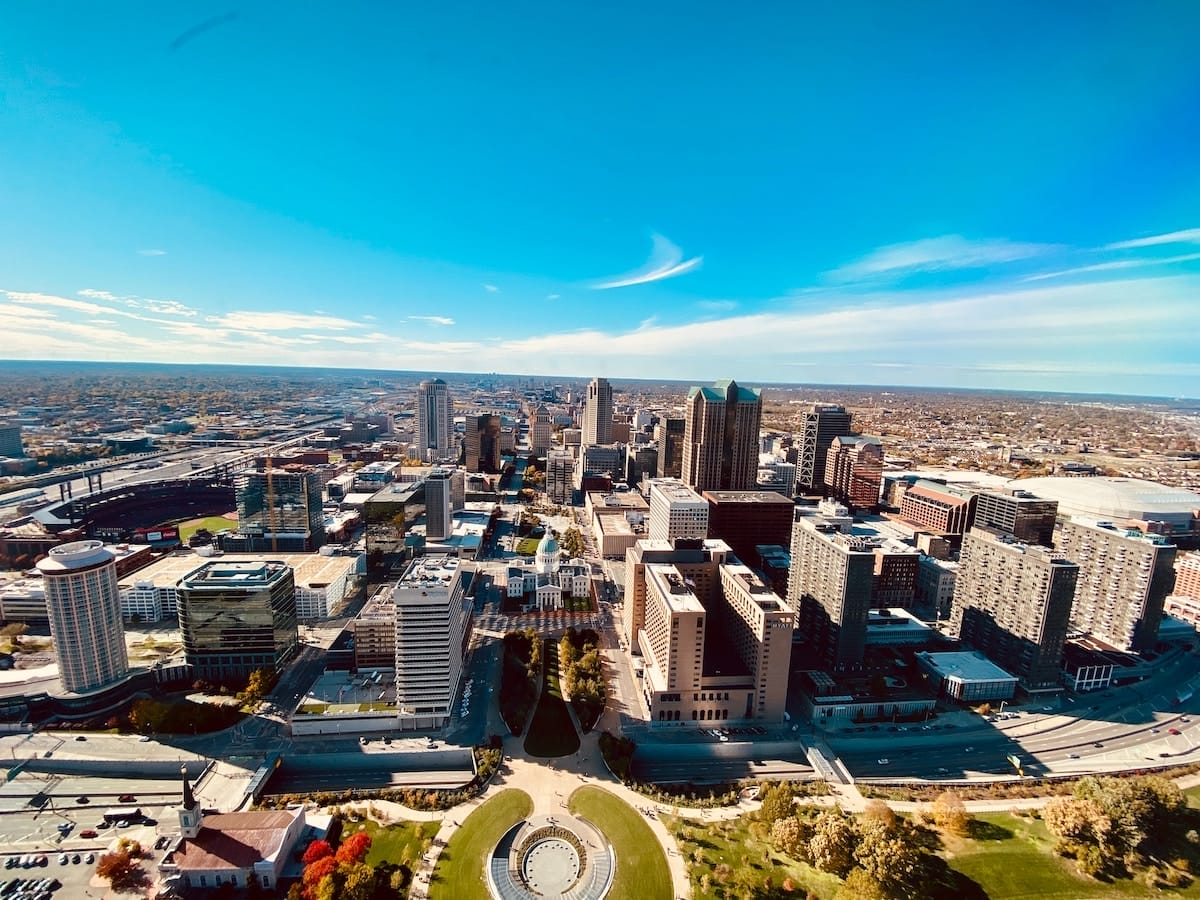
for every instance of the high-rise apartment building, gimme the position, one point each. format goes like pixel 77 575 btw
pixel 854 471
pixel 676 511
pixel 238 617
pixel 540 430
pixel 10 440
pixel 483 444
pixel 560 475
pixel 83 603
pixel 937 507
pixel 1187 576
pixel 1028 518
pixel 1012 601
pixel 896 566
pixel 720 440
pixel 669 435
pixel 1124 579
pixel 698 561
pixel 830 587
pixel 598 413
pixel 822 424
pixel 279 510
pixel 433 630
pixel 435 424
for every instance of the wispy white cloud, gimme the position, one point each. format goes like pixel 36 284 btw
pixel 666 261
pixel 247 320
pixel 434 320
pixel 368 317
pixel 1113 264
pixel 553 296
pixel 938 254
pixel 491 288
pixel 152 252
pixel 718 305
pixel 97 295
pixel 168 307
pixel 1187 236
pixel 447 347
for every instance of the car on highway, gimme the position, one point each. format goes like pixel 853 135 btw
pixel 883 761
pixel 1072 756
pixel 81 799
pixel 144 739
pixel 1173 731
pixel 127 798
pixel 89 833
pixel 1097 744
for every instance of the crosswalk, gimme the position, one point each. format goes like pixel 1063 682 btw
pixel 542 621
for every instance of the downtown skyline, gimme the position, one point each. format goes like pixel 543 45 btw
pixel 935 196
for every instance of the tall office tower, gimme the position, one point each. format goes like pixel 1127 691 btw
pixel 822 424
pixel 669 434
pixel 279 510
pixel 830 587
pixel 896 566
pixel 1028 518
pixel 438 488
pixel 238 617
pixel 720 439
pixel 937 507
pixel 560 474
pixel 746 519
pixel 935 584
pixel 10 440
pixel 604 460
pixel 854 471
pixel 84 606
pixel 1124 579
pixel 715 639
pixel 676 511
pixel 433 630
pixel 483 444
pixel 1013 602
pixel 435 426
pixel 540 430
pixel 598 413
pixel 640 462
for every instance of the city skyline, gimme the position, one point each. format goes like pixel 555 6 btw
pixel 929 197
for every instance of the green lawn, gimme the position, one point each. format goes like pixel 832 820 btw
pixel 1017 860
pixel 400 842
pixel 527 546
pixel 642 872
pixel 551 733
pixel 727 842
pixel 459 872
pixel 212 523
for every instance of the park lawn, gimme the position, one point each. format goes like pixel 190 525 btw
pixel 399 842
pixel 727 842
pixel 1017 860
pixel 212 523
pixel 552 732
pixel 642 872
pixel 527 546
pixel 459 874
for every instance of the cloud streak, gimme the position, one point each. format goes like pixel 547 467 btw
pixel 152 252
pixel 1187 236
pixel 940 254
pixel 434 320
pixel 666 261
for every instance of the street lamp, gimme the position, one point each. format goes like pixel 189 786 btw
pixel 1003 703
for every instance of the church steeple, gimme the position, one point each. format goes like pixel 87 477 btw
pixel 190 815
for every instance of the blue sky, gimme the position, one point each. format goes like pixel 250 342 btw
pixel 971 195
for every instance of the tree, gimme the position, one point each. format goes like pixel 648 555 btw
pixel 832 844
pixel 119 867
pixel 891 858
pixel 790 836
pixel 860 885
pixel 1076 821
pixel 778 802
pixel 880 812
pixel 1140 808
pixel 318 849
pixel 949 813
pixel 354 849
pixel 572 542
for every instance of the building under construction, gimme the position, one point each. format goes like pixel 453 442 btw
pixel 279 511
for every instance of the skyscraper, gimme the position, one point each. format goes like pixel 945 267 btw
pixel 10 440
pixel 598 413
pixel 279 510
pixel 483 444
pixel 84 606
pixel 540 430
pixel 1012 601
pixel 434 422
pixel 669 434
pixel 720 439
pixel 438 524
pixel 822 424
pixel 1027 518
pixel 676 511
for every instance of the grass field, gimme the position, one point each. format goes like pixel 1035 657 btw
pixel 212 523
pixel 400 842
pixel 527 546
pixel 642 872
pixel 551 732
pixel 459 871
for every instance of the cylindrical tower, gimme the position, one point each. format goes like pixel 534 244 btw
pixel 84 605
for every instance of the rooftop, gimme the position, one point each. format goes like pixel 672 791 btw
pixel 773 498
pixel 227 572
pixel 311 569
pixel 965 665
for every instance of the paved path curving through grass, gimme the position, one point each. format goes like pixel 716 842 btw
pixel 642 871
pixel 459 874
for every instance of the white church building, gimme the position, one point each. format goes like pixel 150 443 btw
pixel 544 582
